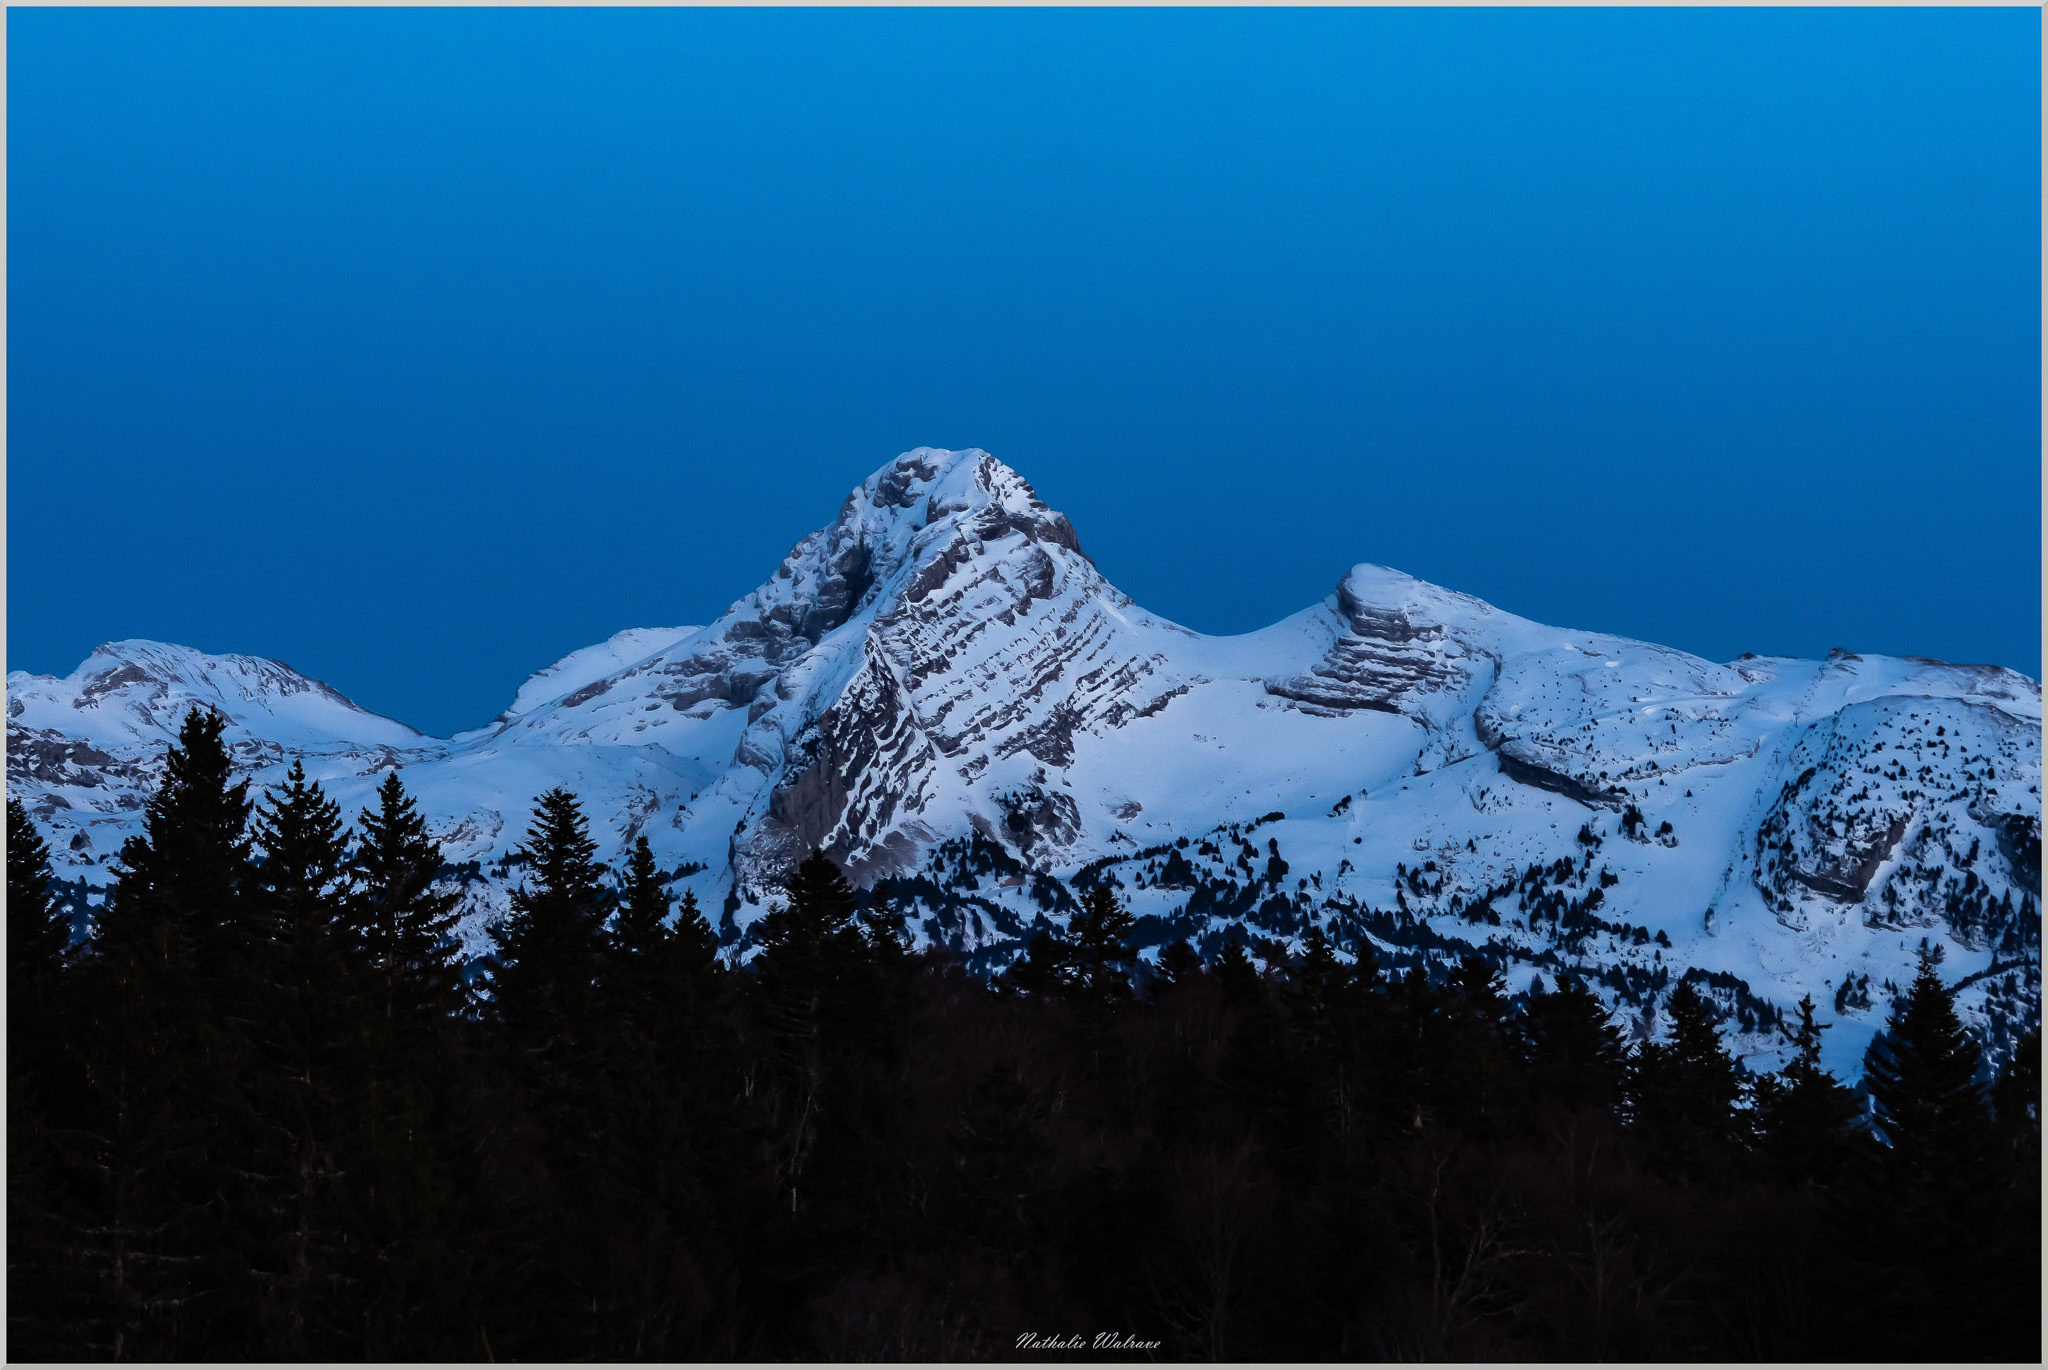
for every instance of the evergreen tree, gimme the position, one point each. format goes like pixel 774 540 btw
pixel 1409 1079
pixel 38 961
pixel 1179 964
pixel 811 955
pixel 641 924
pixel 2016 1331
pixel 166 1001
pixel 1807 1121
pixel 544 970
pixel 1576 1055
pixel 662 1119
pixel 1682 1096
pixel 884 927
pixel 2016 1097
pixel 807 984
pixel 1098 950
pixel 1000 1149
pixel 1479 1081
pixel 38 934
pixel 418 1198
pixel 1926 1102
pixel 1039 969
pixel 1237 975
pixel 305 1080
pixel 301 878
pixel 37 940
pixel 1321 985
pixel 546 1024
pixel 399 927
pixel 661 973
pixel 696 947
pixel 1912 1228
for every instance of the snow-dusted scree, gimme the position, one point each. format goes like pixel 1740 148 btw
pixel 940 689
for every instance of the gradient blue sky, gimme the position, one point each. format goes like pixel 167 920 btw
pixel 420 347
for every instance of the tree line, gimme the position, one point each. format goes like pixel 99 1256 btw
pixel 265 1112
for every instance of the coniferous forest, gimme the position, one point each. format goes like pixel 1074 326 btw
pixel 265 1111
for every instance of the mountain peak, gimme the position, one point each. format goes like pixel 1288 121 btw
pixel 937 684
pixel 144 688
pixel 911 510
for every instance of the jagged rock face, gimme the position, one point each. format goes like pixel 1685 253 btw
pixel 939 683
pixel 1387 655
pixel 982 641
pixel 1876 815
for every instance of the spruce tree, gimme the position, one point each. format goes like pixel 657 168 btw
pixel 694 945
pixel 1479 1081
pixel 166 997
pixel 38 962
pixel 1807 1120
pixel 37 940
pixel 661 973
pixel 1410 1076
pixel 1913 1227
pixel 641 923
pixel 2016 1096
pixel 1000 1150
pixel 1039 969
pixel 1179 964
pixel 301 878
pixel 545 1022
pixel 399 927
pixel 1576 1055
pixel 1926 1101
pixel 306 1078
pixel 1321 985
pixel 38 933
pixel 1288 1058
pixel 1242 985
pixel 1682 1096
pixel 2016 1332
pixel 806 980
pixel 418 1197
pixel 1098 950
pixel 884 928
pixel 807 975
pixel 544 972
pixel 661 1119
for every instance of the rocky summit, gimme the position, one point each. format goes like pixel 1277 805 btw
pixel 941 690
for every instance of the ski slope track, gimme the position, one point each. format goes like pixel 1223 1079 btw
pixel 941 690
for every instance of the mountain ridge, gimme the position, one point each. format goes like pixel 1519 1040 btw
pixel 941 678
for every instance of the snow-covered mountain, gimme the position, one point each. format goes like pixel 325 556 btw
pixel 940 689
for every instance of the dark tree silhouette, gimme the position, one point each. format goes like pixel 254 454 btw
pixel 399 925
pixel 1576 1054
pixel 273 1124
pixel 38 935
pixel 1682 1096
pixel 165 1004
pixel 1808 1122
pixel 1911 1227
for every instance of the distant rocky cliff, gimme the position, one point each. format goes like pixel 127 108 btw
pixel 941 690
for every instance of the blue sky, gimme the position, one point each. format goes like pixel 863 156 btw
pixel 420 347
